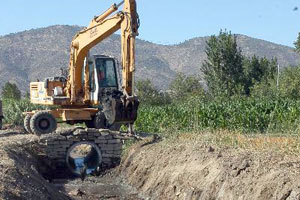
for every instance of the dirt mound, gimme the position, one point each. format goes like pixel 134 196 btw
pixel 25 169
pixel 19 169
pixel 191 170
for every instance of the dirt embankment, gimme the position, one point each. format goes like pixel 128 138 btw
pixel 181 169
pixel 19 170
pixel 190 170
pixel 25 173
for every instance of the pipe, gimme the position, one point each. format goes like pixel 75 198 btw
pixel 89 163
pixel 108 12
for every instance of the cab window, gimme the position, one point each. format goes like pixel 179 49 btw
pixel 92 76
pixel 106 72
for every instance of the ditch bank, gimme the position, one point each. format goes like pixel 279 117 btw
pixel 153 169
pixel 20 176
pixel 191 170
pixel 26 172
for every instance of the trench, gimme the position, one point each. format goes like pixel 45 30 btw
pixel 81 178
pixel 177 170
pixel 28 173
pixel 102 185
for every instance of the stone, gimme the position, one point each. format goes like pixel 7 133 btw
pixel 61 149
pixel 107 148
pixel 97 141
pixel 65 142
pixel 101 137
pixel 56 146
pixel 117 152
pixel 108 137
pixel 74 139
pixel 114 141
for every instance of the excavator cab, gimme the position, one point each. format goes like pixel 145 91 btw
pixel 106 93
pixel 103 77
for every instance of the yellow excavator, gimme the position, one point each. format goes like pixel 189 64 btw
pixel 92 92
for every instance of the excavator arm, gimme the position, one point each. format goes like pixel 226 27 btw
pixel 99 29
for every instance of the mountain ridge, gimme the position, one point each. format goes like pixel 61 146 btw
pixel 39 53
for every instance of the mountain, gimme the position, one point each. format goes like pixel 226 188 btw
pixel 39 53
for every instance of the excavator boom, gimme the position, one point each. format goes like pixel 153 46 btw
pixel 99 29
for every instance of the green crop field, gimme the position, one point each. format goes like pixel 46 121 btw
pixel 247 115
pixel 255 115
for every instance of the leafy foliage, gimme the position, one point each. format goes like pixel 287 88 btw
pixel 257 70
pixel 227 72
pixel 289 83
pixel 223 69
pixel 184 86
pixel 288 88
pixel 12 110
pixel 148 94
pixel 297 44
pixel 11 91
pixel 242 114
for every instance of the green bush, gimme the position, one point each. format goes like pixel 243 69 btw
pixel 11 91
pixel 184 86
pixel 12 110
pixel 150 95
pixel 289 85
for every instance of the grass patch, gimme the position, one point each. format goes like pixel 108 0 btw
pixel 220 139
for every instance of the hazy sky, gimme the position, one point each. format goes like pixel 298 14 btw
pixel 166 21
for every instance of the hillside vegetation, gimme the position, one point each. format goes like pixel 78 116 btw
pixel 26 56
pixel 241 94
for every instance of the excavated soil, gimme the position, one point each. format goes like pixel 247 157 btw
pixel 154 169
pixel 19 169
pixel 190 170
pixel 25 174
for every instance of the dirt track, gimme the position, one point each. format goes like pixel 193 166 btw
pixel 160 170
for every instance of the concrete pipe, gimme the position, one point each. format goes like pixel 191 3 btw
pixel 83 158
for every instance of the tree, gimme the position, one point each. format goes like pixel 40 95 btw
pixel 11 91
pixel 183 86
pixel 27 95
pixel 223 68
pixel 290 83
pixel 257 70
pixel 297 44
pixel 148 94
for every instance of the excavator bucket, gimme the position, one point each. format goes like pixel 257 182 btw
pixel 121 110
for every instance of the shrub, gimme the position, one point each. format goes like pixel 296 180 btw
pixel 12 110
pixel 11 91
pixel 148 94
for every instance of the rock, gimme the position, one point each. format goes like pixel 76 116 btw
pixel 77 192
pixel 210 149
